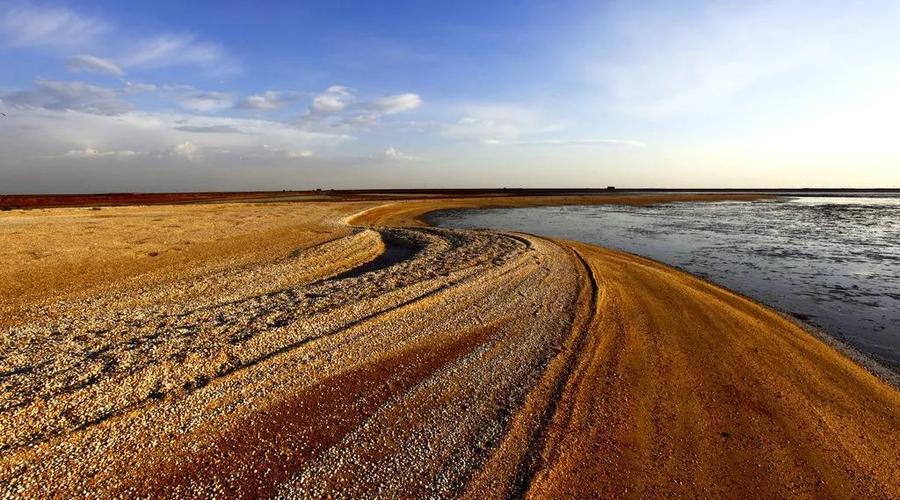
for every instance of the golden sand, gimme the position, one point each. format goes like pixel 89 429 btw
pixel 311 349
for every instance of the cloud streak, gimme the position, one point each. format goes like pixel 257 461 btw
pixel 58 28
pixel 210 129
pixel 68 96
pixel 338 106
pixel 64 30
pixel 496 123
pixel 270 100
pixel 393 104
pixel 94 64
pixel 202 101
pixel 395 154
pixel 36 133
pixel 178 50
pixel 94 153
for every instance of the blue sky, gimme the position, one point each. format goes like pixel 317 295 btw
pixel 111 96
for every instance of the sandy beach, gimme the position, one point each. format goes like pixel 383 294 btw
pixel 343 347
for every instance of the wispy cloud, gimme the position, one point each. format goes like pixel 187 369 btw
pixel 270 100
pixel 178 50
pixel 210 129
pixel 339 106
pixel 186 150
pixel 94 64
pixel 68 96
pixel 95 153
pixel 494 123
pixel 64 30
pixel 202 101
pixel 83 135
pixel 393 104
pixel 137 87
pixel 32 26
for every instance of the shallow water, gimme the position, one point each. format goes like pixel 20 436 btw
pixel 833 262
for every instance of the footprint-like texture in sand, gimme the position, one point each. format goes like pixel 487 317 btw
pixel 393 360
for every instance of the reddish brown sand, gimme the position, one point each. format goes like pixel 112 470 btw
pixel 287 352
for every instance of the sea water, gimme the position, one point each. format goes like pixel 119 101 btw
pixel 831 261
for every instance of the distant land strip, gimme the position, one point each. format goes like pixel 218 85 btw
pixel 25 201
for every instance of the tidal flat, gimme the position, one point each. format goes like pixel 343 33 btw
pixel 345 348
pixel 830 261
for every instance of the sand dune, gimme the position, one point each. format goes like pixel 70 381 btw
pixel 302 356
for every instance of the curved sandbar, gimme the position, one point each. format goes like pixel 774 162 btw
pixel 686 387
pixel 411 361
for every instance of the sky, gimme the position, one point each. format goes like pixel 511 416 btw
pixel 110 96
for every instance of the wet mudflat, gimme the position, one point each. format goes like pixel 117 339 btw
pixel 833 262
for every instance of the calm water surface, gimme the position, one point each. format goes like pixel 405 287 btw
pixel 831 261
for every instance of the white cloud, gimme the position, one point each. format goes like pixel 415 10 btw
pixel 94 153
pixel 392 104
pixel 203 101
pixel 94 64
pixel 334 100
pixel 395 154
pixel 65 30
pixel 68 96
pixel 269 100
pixel 186 149
pixel 339 107
pixel 38 132
pixel 31 26
pixel 135 87
pixel 276 152
pixel 209 129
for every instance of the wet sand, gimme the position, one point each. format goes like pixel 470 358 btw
pixel 306 349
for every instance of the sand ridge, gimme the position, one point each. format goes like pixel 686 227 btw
pixel 388 359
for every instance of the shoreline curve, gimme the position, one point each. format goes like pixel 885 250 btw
pixel 471 364
pixel 828 354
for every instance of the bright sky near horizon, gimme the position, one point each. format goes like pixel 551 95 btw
pixel 106 95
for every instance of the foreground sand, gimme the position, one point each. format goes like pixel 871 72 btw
pixel 274 349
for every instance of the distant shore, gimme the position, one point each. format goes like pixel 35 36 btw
pixel 25 201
